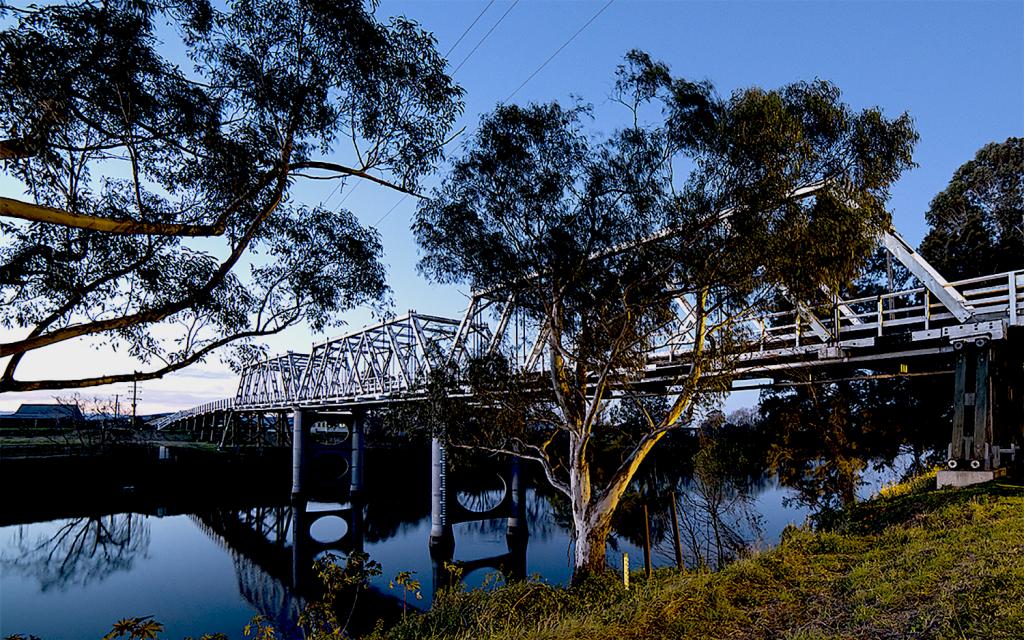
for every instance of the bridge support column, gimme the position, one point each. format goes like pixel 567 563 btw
pixel 357 437
pixel 982 413
pixel 981 454
pixel 356 525
pixel 442 541
pixel 972 439
pixel 442 574
pixel 956 444
pixel 301 424
pixel 516 528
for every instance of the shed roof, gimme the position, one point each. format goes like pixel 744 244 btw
pixel 48 412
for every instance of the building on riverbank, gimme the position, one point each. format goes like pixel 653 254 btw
pixel 42 417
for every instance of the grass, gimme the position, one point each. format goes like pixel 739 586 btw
pixel 914 563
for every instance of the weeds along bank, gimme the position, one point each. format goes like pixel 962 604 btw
pixel 915 563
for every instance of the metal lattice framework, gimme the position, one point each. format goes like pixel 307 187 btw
pixel 393 359
pixel 273 381
pixel 384 360
pixel 930 318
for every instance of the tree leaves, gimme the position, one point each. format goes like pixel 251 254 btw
pixel 978 220
pixel 205 128
pixel 597 238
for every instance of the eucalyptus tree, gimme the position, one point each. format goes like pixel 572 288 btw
pixel 159 145
pixel 977 221
pixel 598 238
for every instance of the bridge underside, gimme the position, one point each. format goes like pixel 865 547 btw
pixel 938 327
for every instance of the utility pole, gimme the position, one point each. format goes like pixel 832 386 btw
pixel 135 399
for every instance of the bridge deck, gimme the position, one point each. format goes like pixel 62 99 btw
pixel 391 361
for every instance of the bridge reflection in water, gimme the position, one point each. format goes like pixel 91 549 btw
pixel 274 547
pixel 970 330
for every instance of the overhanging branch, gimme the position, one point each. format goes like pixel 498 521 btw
pixel 159 313
pixel 12 208
pixel 43 385
pixel 359 173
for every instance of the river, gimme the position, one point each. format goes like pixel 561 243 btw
pixel 203 546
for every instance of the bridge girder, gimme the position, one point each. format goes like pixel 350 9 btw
pixel 394 358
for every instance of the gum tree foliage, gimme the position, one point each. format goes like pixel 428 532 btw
pixel 159 144
pixel 538 207
pixel 820 435
pixel 977 222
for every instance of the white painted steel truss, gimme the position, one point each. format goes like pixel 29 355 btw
pixel 391 359
pixel 886 323
pixel 273 381
pixel 384 360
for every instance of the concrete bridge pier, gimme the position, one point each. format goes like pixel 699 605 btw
pixel 516 529
pixel 302 560
pixel 358 442
pixel 442 541
pixel 301 444
pixel 356 524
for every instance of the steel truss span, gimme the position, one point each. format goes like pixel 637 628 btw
pixel 392 361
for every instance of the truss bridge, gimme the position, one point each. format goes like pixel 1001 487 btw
pixel 935 324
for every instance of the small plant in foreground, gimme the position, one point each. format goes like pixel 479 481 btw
pixel 405 580
pixel 321 618
pixel 144 628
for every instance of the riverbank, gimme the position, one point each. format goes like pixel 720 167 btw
pixel 142 477
pixel 913 563
pixel 94 443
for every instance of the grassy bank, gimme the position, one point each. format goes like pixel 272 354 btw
pixel 916 563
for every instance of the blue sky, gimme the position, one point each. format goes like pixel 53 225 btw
pixel 957 67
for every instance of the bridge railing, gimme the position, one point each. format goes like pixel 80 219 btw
pixel 163 422
pixel 397 356
pixel 992 297
pixel 995 297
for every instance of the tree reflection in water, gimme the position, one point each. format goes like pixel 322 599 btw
pixel 718 517
pixel 79 551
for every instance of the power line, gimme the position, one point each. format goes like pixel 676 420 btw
pixel 471 25
pixel 464 60
pixel 323 203
pixel 326 200
pixel 350 192
pixel 393 207
pixel 489 31
pixel 524 82
pixel 559 49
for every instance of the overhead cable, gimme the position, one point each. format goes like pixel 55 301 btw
pixel 481 41
pixel 559 50
pixel 471 25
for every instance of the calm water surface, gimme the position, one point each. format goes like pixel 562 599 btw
pixel 212 567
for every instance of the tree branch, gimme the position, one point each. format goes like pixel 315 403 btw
pixel 158 313
pixel 12 208
pixel 624 474
pixel 548 471
pixel 75 299
pixel 359 173
pixel 16 149
pixel 37 385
